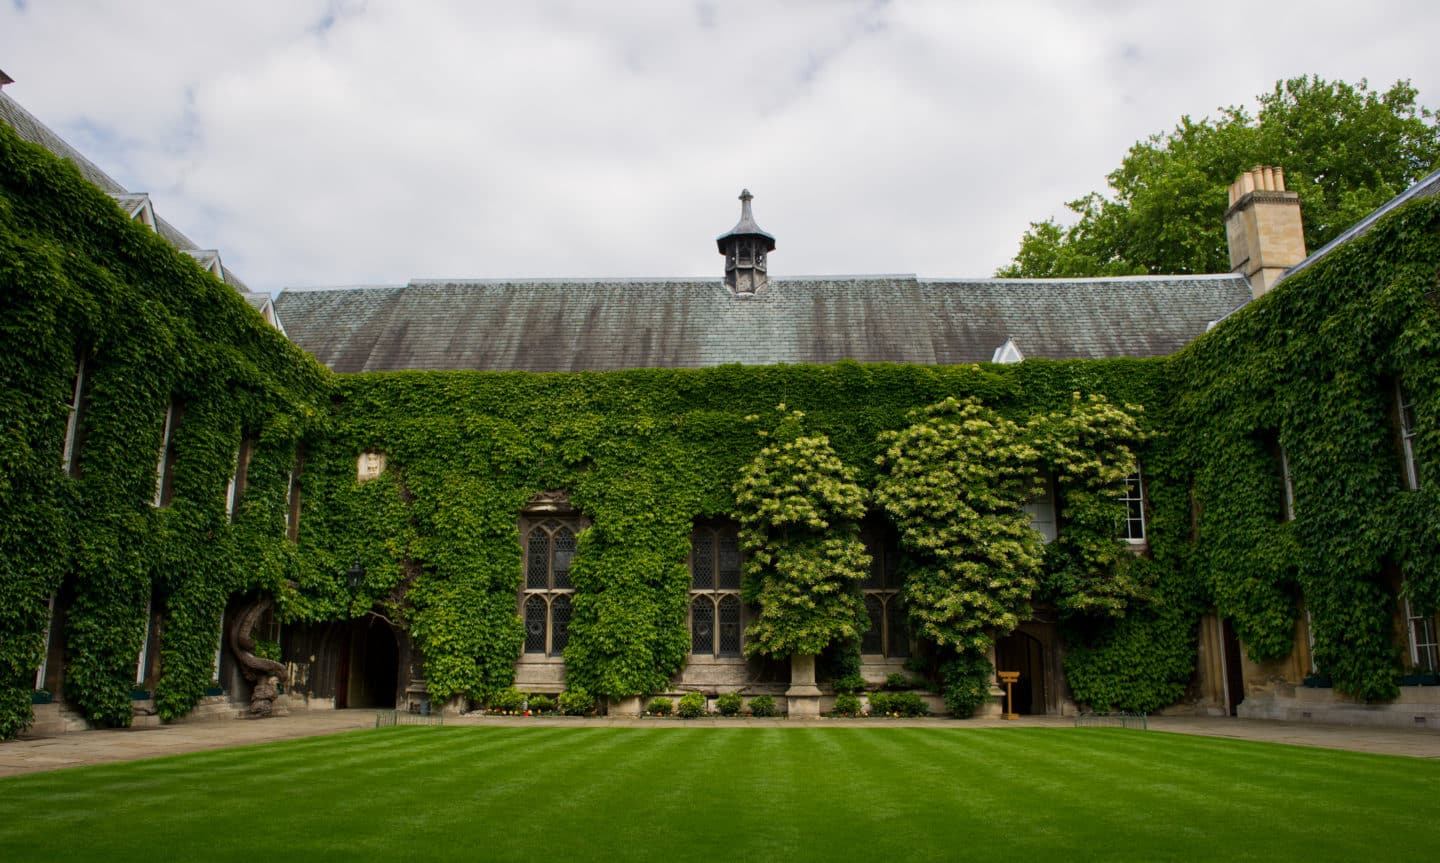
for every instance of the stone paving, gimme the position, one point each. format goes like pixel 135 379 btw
pixel 29 755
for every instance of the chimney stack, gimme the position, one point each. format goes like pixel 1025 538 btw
pixel 1263 228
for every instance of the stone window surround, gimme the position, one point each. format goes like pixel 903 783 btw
pixel 717 595
pixel 542 510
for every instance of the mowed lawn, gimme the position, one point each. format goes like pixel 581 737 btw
pixel 675 793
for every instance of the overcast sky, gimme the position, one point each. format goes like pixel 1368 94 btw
pixel 330 142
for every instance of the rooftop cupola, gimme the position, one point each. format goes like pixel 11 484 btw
pixel 745 247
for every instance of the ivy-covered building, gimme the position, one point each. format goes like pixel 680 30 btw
pixel 1201 493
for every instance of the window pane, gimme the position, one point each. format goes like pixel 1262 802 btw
pixel 702 626
pixel 875 578
pixel 535 625
pixel 892 564
pixel 702 560
pixel 537 562
pixel 729 560
pixel 729 625
pixel 559 624
pixel 898 638
pixel 871 642
pixel 564 553
pixel 1134 499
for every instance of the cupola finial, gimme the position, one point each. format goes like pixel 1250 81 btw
pixel 745 248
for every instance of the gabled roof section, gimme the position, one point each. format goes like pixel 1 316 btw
pixel 138 207
pixel 601 325
pixel 263 304
pixel 36 132
pixel 208 259
pixel 1007 353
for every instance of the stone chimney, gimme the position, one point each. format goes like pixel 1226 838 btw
pixel 745 248
pixel 1263 228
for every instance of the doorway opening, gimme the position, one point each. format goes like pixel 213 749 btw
pixel 1022 652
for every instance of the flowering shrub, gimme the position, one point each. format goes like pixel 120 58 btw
pixel 507 701
pixel 763 705
pixel 659 707
pixel 729 703
pixel 692 705
pixel 575 702
pixel 966 684
pixel 847 705
pixel 799 509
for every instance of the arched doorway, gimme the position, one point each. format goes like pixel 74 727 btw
pixel 1022 652
pixel 356 663
pixel 369 665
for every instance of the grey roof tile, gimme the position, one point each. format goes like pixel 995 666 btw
pixel 572 325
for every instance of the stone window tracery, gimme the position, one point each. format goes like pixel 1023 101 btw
pixel 888 634
pixel 547 597
pixel 716 615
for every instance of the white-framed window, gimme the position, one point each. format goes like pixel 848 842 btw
pixel 1041 510
pixel 547 598
pixel 165 461
pixel 1424 646
pixel 1405 416
pixel 716 614
pixel 1133 529
pixel 1310 639
pixel 145 662
pixel 887 635
pixel 45 644
pixel 75 421
pixel 292 497
pixel 1287 488
pixel 239 478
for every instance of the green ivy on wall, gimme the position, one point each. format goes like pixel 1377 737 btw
pixel 1311 367
pixel 645 453
pixel 80 278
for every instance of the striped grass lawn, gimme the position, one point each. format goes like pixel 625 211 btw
pixel 676 793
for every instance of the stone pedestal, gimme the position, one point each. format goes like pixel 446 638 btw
pixel 803 697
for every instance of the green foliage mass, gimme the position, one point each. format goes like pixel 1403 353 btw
pixel 1346 149
pixel 1312 367
pixel 80 279
pixel 800 509
pixel 955 483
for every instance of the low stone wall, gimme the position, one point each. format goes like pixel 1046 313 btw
pixel 1417 707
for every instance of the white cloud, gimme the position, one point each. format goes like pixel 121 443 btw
pixel 336 142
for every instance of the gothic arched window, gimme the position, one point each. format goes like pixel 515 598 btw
pixel 546 599
pixel 716 615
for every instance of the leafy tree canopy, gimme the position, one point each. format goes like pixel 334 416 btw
pixel 1346 149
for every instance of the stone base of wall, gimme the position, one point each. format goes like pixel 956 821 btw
pixel 53 719
pixel 1417 707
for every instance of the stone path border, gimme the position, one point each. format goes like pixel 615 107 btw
pixel 31 755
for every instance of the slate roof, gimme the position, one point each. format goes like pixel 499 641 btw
pixel 32 130
pixel 1426 187
pixel 600 325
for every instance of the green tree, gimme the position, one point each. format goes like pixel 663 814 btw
pixel 955 483
pixel 799 509
pixel 1346 149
